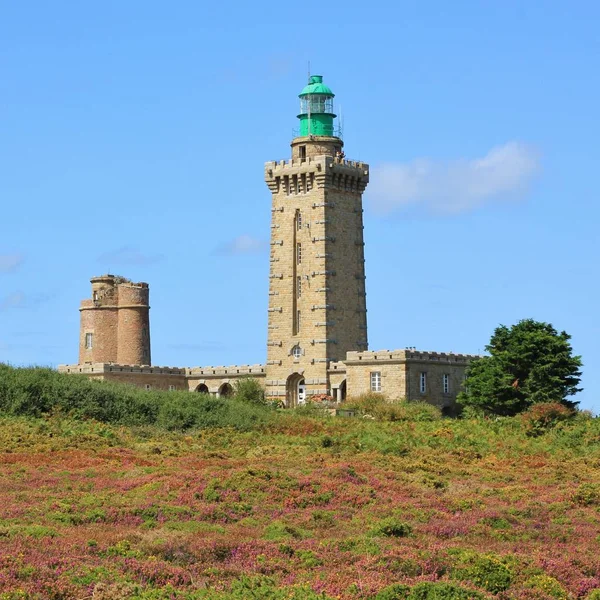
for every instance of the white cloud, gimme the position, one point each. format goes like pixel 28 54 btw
pixel 13 300
pixel 128 255
pixel 19 299
pixel 243 244
pixel 10 262
pixel 454 186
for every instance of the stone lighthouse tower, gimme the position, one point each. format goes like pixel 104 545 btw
pixel 317 299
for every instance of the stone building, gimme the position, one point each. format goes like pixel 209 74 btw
pixel 317 319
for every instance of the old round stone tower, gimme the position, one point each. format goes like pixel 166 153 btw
pixel 115 322
pixel 317 299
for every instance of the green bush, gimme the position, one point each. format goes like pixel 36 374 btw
pixel 486 572
pixel 540 418
pixel 381 408
pixel 593 595
pixel 429 590
pixel 547 585
pixel 248 389
pixel 39 391
pixel 587 494
pixel 392 527
pixel 396 591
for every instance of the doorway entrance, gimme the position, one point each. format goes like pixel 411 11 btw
pixel 295 390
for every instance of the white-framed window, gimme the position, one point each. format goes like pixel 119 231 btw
pixel 299 286
pixel 148 386
pixel 446 383
pixel 298 220
pixel 375 381
pixel 89 341
pixel 172 388
pixel 296 351
pixel 423 382
pixel 299 253
pixel 297 321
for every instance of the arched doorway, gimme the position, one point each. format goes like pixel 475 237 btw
pixel 295 390
pixel 202 389
pixel 225 391
pixel 341 392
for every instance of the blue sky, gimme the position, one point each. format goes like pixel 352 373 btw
pixel 133 137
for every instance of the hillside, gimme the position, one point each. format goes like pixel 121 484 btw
pixel 215 501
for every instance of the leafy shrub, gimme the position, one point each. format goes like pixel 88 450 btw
pixel 381 408
pixel 248 389
pixel 486 572
pixel 392 527
pixel 396 591
pixel 593 595
pixel 541 417
pixel 39 391
pixel 548 585
pixel 429 590
pixel 587 494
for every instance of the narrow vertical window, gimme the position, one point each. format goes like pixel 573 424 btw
pixel 89 341
pixel 375 381
pixel 298 253
pixel 298 286
pixel 95 296
pixel 302 153
pixel 297 321
pixel 423 383
pixel 303 182
pixel 298 220
pixel 446 383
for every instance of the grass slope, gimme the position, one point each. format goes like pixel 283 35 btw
pixel 267 504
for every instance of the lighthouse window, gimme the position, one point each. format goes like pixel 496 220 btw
pixel 89 341
pixel 297 351
pixel 298 220
pixel 298 253
pixel 302 153
pixel 299 286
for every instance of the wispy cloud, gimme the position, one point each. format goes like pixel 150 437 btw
pixel 13 300
pixel 243 244
pixel 454 186
pixel 19 299
pixel 128 255
pixel 10 262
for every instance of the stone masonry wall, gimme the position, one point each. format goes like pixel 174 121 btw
pixel 316 294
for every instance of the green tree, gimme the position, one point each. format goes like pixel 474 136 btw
pixel 529 363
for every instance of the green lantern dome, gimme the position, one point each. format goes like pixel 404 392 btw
pixel 316 86
pixel 316 109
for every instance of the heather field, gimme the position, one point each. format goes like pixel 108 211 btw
pixel 299 505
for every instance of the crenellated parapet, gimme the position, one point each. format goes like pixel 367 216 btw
pixel 231 371
pixel 104 368
pixel 408 356
pixel 300 176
